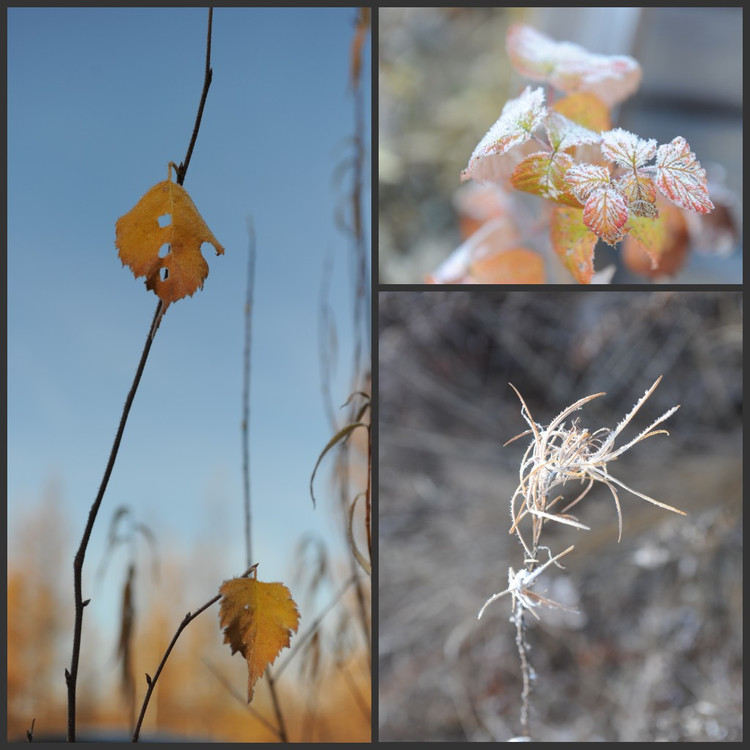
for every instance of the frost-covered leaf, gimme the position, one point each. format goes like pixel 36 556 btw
pixel 586 109
pixel 585 178
pixel 258 619
pixel 640 192
pixel 543 174
pixel 573 242
pixel 605 214
pixel 680 177
pixel 626 149
pixel 569 67
pixel 517 265
pixel 533 54
pixel 564 133
pixel 518 120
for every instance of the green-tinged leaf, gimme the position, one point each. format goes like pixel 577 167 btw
pixel 651 236
pixel 573 242
pixel 543 174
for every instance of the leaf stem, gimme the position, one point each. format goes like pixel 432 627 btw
pixel 189 617
pixel 246 389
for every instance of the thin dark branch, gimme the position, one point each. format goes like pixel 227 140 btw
pixel 72 675
pixel 246 388
pixel 182 169
pixel 189 617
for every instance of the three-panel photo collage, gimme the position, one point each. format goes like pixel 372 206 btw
pixel 452 431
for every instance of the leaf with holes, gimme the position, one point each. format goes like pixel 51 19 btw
pixel 573 242
pixel 165 217
pixel 258 619
pixel 680 177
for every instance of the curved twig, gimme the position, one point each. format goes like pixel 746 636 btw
pixel 151 681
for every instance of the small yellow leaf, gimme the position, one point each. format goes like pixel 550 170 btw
pixel 160 238
pixel 258 619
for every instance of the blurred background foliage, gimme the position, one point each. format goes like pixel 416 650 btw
pixel 657 650
pixel 444 77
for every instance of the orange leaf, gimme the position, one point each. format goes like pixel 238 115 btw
pixel 573 242
pixel 586 109
pixel 515 266
pixel 605 213
pixel 140 237
pixel 258 619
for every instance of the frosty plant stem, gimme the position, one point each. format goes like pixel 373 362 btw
pixel 557 453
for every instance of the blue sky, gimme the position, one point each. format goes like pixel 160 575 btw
pixel 99 101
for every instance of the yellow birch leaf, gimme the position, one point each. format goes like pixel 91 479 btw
pixel 160 238
pixel 258 619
